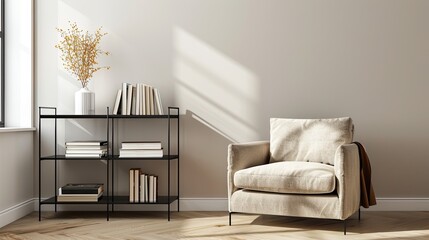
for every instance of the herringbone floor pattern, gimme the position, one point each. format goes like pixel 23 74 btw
pixel 214 225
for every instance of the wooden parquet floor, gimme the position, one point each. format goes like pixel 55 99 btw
pixel 214 225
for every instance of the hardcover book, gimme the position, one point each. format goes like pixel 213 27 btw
pixel 117 102
pixel 131 196
pixel 124 99
pixel 85 151
pixel 87 143
pixel 159 109
pixel 86 147
pixel 141 153
pixel 142 145
pixel 81 188
pixel 152 109
pixel 79 198
pixel 84 155
pixel 129 99
pixel 134 101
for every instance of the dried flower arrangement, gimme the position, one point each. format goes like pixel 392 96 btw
pixel 79 52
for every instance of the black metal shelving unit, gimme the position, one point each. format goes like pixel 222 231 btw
pixel 111 158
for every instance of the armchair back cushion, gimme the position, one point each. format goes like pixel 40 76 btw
pixel 309 140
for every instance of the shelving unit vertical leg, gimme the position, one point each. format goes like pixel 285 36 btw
pixel 40 159
pixel 107 163
pixel 40 166
pixel 113 164
pixel 56 160
pixel 178 161
pixel 169 158
pixel 168 175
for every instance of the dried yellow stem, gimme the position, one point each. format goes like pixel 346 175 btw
pixel 79 52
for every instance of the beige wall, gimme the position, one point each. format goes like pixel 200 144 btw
pixel 16 175
pixel 17 139
pixel 231 65
pixel 16 172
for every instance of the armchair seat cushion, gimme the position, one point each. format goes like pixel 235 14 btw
pixel 288 177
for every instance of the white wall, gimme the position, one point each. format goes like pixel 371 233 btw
pixel 231 65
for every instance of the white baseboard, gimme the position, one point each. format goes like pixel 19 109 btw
pixel 383 204
pixel 186 204
pixel 204 204
pixel 400 204
pixel 16 212
pixel 221 204
pixel 13 213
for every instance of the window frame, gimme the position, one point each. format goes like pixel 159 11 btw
pixel 2 65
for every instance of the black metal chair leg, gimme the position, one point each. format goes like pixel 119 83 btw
pixel 345 226
pixel 230 218
pixel 359 213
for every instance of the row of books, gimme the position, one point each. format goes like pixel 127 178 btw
pixel 87 149
pixel 143 187
pixel 141 149
pixel 138 99
pixel 82 192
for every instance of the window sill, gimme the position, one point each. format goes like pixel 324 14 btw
pixel 17 129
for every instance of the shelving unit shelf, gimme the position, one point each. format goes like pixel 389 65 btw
pixel 116 199
pixel 109 198
pixel 102 200
pixel 63 157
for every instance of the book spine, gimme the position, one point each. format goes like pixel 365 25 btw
pixel 88 143
pixel 156 101
pixel 79 191
pixel 161 109
pixel 141 188
pixel 137 99
pixel 134 101
pixel 155 189
pixel 146 192
pixel 146 89
pixel 131 185
pixel 141 99
pixel 136 185
pixel 151 188
pixel 129 98
pixel 117 102
pixel 152 110
pixel 124 99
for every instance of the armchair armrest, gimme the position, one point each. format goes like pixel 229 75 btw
pixel 245 155
pixel 347 173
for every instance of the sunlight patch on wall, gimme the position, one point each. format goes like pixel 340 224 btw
pixel 219 90
pixel 66 89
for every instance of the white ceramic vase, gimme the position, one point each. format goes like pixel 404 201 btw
pixel 84 103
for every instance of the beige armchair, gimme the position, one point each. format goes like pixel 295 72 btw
pixel 309 168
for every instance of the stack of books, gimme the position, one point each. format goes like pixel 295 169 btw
pixel 137 99
pixel 141 149
pixel 82 192
pixel 86 149
pixel 143 187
